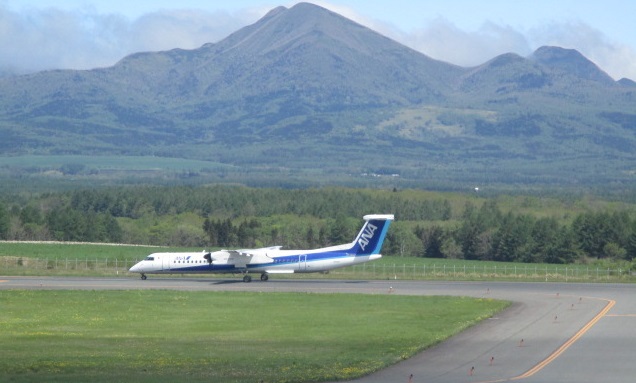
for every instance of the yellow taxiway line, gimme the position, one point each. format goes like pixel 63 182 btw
pixel 566 345
pixel 541 365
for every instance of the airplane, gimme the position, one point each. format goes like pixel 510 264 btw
pixel 272 260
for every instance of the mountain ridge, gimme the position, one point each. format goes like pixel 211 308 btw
pixel 320 87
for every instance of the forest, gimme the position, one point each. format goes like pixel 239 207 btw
pixel 428 224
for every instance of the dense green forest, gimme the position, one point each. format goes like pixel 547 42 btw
pixel 428 224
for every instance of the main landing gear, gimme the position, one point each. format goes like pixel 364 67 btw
pixel 248 278
pixel 143 277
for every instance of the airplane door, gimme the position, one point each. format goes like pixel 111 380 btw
pixel 165 262
pixel 302 262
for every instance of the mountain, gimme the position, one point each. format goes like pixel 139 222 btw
pixel 627 82
pixel 570 62
pixel 306 89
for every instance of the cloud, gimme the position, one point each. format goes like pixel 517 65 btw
pixel 186 29
pixel 442 40
pixel 618 60
pixel 40 39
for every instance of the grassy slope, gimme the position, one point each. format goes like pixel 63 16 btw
pixel 157 336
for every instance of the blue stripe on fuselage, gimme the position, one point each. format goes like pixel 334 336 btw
pixel 294 260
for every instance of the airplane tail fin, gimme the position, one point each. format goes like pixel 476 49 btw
pixel 371 236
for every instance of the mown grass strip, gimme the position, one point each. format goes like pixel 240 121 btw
pixel 61 251
pixel 166 336
pixel 67 259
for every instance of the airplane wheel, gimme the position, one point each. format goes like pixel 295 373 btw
pixel 264 277
pixel 247 278
pixel 143 277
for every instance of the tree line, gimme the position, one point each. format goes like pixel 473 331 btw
pixel 435 226
pixel 486 233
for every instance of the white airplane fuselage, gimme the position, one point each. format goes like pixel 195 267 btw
pixel 273 260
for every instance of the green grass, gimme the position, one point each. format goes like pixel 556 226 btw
pixel 103 260
pixel 119 163
pixel 62 251
pixel 458 269
pixel 166 336
pixel 52 251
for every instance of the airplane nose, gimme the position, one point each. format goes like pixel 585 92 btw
pixel 135 269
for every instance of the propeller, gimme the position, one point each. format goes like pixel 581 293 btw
pixel 208 257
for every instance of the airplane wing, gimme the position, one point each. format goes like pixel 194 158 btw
pixel 261 249
pixel 241 258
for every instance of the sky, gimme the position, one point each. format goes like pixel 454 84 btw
pixel 83 34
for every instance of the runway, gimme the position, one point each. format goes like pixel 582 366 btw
pixel 553 332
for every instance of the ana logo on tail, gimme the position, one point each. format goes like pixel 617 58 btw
pixel 366 236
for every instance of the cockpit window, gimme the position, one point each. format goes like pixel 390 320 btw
pixel 149 258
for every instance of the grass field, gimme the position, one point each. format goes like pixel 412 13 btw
pixel 115 163
pixel 103 260
pixel 66 250
pixel 167 336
